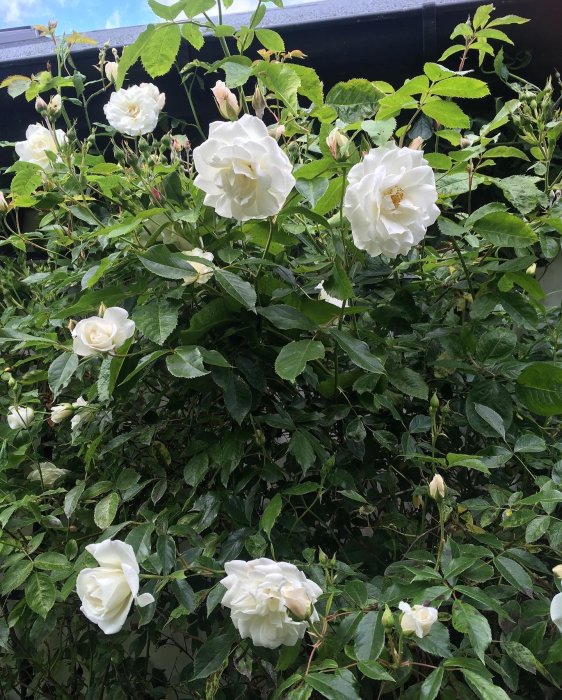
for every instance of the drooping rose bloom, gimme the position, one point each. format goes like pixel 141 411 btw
pixel 418 619
pixel 265 597
pixel 38 142
pixel 108 591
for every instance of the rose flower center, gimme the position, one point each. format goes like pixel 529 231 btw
pixel 133 110
pixel 396 194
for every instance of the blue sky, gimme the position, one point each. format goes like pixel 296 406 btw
pixel 84 15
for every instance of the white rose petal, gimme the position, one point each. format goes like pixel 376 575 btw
pixel 437 487
pixel 39 141
pixel 20 417
pixel 261 593
pixel 134 111
pixel 111 68
pixel 81 415
pixel 108 591
pixel 47 473
pixel 324 296
pixel 204 272
pixel 242 170
pixel 556 610
pixel 61 412
pixel 226 100
pixel 93 335
pixel 390 200
pixel 418 619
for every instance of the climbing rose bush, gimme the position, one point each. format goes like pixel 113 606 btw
pixel 281 393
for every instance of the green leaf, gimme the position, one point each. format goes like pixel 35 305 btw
pixel 460 86
pixel 537 528
pixel 51 561
pixel 281 79
pixel 357 591
pixel 311 86
pixel 496 344
pixel 373 670
pixel 432 684
pixel 236 393
pixel 436 642
pixel 132 53
pixel 494 397
pixel 369 637
pixel 193 34
pixel 446 113
pixel 40 594
pixel 505 230
pixel 159 53
pixel 286 317
pixel 166 11
pixel 293 357
pixel 15 575
pixel 484 689
pixel 27 179
pixel 312 190
pixel 61 370
pixel 357 351
pixel 409 382
pixel 380 132
pixel 468 620
pixel 302 449
pixel 514 574
pixel 161 261
pixel 166 552
pixel 184 594
pixel 522 192
pixel 186 362
pixel 483 598
pixel 106 510
pixel 340 685
pixel 353 100
pixel 539 387
pixel 212 655
pixel 192 8
pixel 237 288
pixel 157 319
pixel 271 513
pixel 270 40
pixel 72 498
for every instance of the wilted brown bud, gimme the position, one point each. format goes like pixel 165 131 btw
pixel 71 325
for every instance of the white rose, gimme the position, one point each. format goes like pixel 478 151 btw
pixel 390 200
pixel 261 593
pixel 61 412
pixel 338 143
pixel 135 111
pixel 226 100
pixel 47 473
pixel 40 141
pixel 557 570
pixel 111 68
pixel 204 272
pixel 418 619
pixel 242 170
pixel 81 416
pixel 556 610
pixel 20 417
pixel 324 296
pixel 437 487
pixel 95 334
pixel 108 591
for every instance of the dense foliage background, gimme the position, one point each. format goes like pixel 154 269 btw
pixel 247 417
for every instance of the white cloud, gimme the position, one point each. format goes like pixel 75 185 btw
pixel 13 12
pixel 114 20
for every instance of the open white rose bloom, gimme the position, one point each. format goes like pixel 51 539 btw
pixel 390 200
pixel 20 417
pixel 418 619
pixel 242 170
pixel 38 142
pixel 95 334
pixel 263 594
pixel 108 591
pixel 135 111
